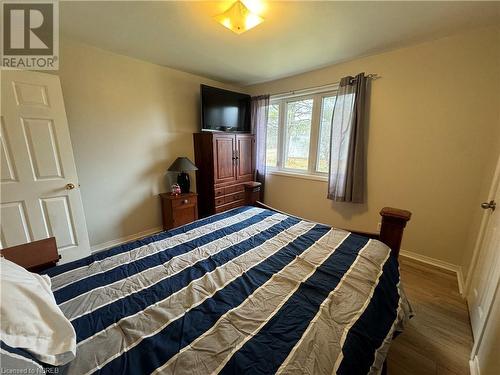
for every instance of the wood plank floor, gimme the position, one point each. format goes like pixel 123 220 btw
pixel 438 339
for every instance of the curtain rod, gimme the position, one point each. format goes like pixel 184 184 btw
pixel 326 87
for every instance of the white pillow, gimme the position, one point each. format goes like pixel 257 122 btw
pixel 30 318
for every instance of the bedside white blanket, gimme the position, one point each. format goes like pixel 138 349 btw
pixel 30 317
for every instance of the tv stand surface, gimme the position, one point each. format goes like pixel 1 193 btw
pixel 225 131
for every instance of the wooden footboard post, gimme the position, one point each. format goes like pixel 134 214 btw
pixel 393 224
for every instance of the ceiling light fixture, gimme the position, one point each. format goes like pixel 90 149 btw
pixel 238 18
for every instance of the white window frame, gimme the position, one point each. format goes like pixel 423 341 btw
pixel 282 101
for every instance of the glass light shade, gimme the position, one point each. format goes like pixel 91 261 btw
pixel 238 18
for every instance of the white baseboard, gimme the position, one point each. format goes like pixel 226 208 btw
pixel 122 240
pixel 474 366
pixel 460 279
pixel 437 263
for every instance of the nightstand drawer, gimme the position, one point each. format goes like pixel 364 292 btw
pixel 179 202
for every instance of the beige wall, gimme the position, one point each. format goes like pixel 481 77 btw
pixel 432 133
pixel 128 121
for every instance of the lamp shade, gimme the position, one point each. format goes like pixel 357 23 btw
pixel 182 164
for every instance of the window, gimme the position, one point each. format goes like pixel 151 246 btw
pixel 325 128
pixel 298 133
pixel 272 135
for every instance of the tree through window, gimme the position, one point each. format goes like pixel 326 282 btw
pixel 298 133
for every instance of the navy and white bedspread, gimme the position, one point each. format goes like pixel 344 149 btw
pixel 249 291
pixel 20 361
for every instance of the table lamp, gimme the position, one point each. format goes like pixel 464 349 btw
pixel 182 165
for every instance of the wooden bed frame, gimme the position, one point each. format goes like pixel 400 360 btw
pixel 34 256
pixel 39 255
pixel 391 231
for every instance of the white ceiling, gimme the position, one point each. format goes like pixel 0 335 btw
pixel 295 37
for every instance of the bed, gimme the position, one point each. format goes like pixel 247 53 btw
pixel 248 291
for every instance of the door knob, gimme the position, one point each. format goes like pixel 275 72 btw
pixel 489 205
pixel 70 186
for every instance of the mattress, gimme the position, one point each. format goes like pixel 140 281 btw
pixel 248 291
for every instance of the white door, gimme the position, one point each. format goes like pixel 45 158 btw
pixel 40 195
pixel 486 274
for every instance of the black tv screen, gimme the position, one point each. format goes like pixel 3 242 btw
pixel 224 110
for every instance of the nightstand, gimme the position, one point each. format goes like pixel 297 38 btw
pixel 178 209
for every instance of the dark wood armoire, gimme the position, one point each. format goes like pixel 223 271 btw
pixel 225 163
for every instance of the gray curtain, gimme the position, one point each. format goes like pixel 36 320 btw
pixel 346 178
pixel 259 112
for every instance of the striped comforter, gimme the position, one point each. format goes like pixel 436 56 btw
pixel 249 291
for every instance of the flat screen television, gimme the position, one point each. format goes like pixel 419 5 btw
pixel 223 110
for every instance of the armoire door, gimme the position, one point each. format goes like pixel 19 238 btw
pixel 40 195
pixel 224 158
pixel 244 155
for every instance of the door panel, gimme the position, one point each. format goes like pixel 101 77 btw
pixel 58 222
pixel 224 162
pixel 38 160
pixel 7 167
pixel 44 156
pixel 486 275
pixel 245 150
pixel 30 94
pixel 14 228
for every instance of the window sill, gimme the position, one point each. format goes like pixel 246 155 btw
pixel 304 176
